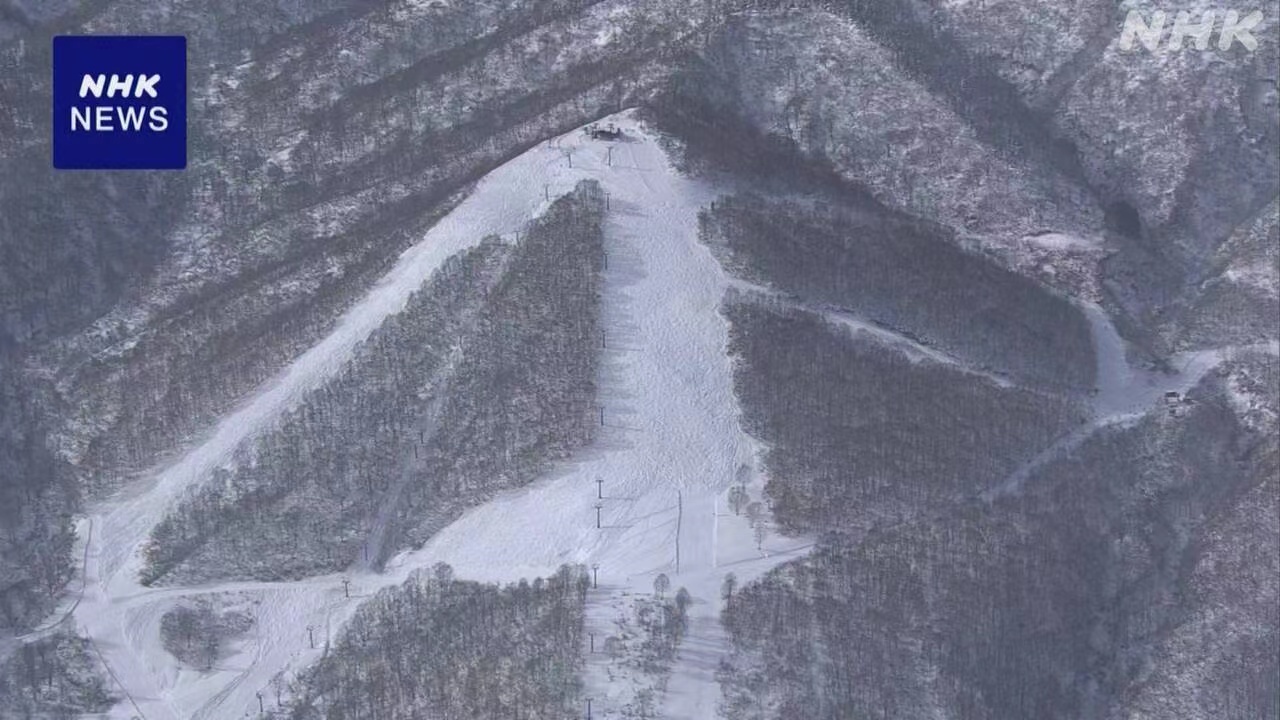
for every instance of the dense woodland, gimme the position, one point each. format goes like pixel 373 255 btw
pixel 317 173
pixel 908 276
pixel 315 470
pixel 196 632
pixel 524 393
pixel 35 511
pixel 1067 601
pixel 55 678
pixel 858 432
pixel 487 376
pixel 447 649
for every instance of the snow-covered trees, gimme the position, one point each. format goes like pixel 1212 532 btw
pixel 298 501
pixel 487 375
pixel 194 632
pixel 760 532
pixel 908 276
pixel 35 509
pixel 57 677
pixel 856 429
pixel 857 434
pixel 456 650
pixel 661 584
pixel 727 587
pixel 647 636
pixel 982 609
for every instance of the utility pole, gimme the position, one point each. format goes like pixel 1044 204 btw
pixel 261 708
pixel 603 341
pixel 593 641
pixel 598 508
pixel 311 636
pixel 546 191
pixel 595 575
pixel 599 488
pixel 601 416
pixel 346 588
pixel 608 156
pixel 606 199
pixel 588 708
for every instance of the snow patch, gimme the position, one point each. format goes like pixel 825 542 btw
pixel 1063 241
pixel 1259 276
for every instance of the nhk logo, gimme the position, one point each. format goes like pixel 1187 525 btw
pixel 1149 31
pixel 119 102
pixel 105 118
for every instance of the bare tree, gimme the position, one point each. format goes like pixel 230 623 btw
pixel 727 587
pixel 614 648
pixel 738 499
pixel 661 584
pixel 278 685
pixel 443 573
pixel 683 601
pixel 761 533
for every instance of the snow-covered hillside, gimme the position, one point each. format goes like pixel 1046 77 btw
pixel 994 298
pixel 669 449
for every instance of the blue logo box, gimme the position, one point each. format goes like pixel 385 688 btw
pixel 120 102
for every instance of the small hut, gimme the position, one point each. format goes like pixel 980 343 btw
pixel 604 133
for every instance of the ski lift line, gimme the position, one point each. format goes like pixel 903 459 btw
pixel 547 196
pixel 93 644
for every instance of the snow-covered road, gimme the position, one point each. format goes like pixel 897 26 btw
pixel 1125 393
pixel 668 451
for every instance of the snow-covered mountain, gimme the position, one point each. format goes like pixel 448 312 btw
pixel 896 360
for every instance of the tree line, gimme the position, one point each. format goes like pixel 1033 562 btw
pixel 485 377
pixel 908 276
pixel 857 431
pixel 451 649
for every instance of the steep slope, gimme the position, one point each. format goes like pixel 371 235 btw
pixel 313 165
pixel 1090 595
pixel 910 278
pixel 136 309
pixel 670 435
pixel 485 378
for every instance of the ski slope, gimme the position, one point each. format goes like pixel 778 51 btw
pixel 668 450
